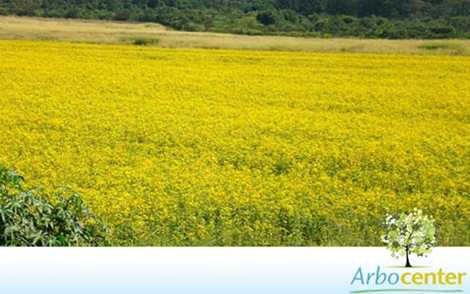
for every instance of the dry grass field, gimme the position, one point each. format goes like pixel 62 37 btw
pixel 88 31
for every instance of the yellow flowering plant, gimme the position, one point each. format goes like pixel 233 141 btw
pixel 178 147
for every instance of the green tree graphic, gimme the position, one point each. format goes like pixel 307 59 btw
pixel 409 233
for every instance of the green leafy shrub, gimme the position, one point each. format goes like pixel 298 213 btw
pixel 34 218
pixel 140 41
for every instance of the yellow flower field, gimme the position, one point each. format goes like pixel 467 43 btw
pixel 215 147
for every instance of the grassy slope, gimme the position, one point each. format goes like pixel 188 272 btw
pixel 116 32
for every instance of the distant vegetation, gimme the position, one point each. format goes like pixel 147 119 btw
pixel 151 34
pixel 391 19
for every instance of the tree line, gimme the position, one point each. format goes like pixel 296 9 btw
pixel 392 19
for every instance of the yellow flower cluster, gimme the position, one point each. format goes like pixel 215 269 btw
pixel 220 147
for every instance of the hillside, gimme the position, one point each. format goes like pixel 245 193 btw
pixel 389 19
pixel 150 34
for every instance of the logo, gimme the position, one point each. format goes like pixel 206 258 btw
pixel 379 277
pixel 406 235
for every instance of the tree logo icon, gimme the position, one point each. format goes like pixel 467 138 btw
pixel 406 234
